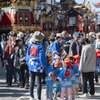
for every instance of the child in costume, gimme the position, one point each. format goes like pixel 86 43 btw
pixel 77 77
pixel 49 78
pixel 73 78
pixel 56 60
pixel 56 71
pixel 97 68
pixel 65 80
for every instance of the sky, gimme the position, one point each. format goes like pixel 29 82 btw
pixel 91 1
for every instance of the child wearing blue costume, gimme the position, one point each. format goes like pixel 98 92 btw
pixel 56 71
pixel 49 78
pixel 75 75
pixel 65 80
pixel 54 60
pixel 97 68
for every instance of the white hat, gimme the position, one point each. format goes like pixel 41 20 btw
pixel 21 34
pixel 58 35
pixel 37 36
pixel 31 34
pixel 93 35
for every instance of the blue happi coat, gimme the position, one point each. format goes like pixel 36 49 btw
pixel 76 75
pixel 49 72
pixel 55 48
pixel 35 57
pixel 65 82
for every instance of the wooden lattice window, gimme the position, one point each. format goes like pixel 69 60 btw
pixel 48 26
pixel 24 17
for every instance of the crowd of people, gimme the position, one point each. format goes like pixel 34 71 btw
pixel 63 63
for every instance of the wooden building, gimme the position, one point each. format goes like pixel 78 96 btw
pixel 44 15
pixel 28 15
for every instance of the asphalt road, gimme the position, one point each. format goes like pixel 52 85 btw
pixel 16 93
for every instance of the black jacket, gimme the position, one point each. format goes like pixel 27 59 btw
pixel 20 54
pixel 73 48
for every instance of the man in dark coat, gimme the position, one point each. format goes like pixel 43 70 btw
pixel 75 48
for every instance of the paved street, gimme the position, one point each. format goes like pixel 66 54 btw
pixel 16 93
